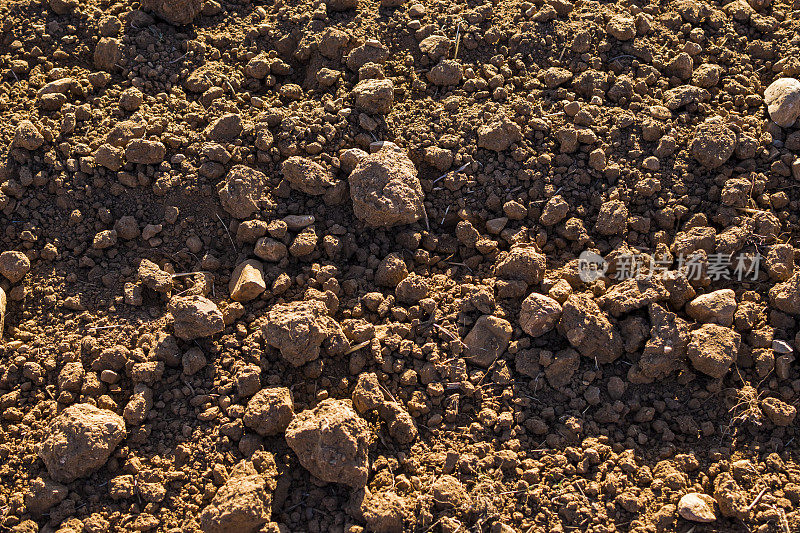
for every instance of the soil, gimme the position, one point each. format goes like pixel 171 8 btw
pixel 316 266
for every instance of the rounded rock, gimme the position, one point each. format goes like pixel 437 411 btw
pixel 783 101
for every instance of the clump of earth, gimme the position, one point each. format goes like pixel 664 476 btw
pixel 349 265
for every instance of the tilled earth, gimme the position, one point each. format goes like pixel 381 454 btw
pixel 324 266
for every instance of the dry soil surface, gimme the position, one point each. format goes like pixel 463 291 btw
pixel 324 266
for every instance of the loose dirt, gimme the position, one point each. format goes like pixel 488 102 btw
pixel 434 266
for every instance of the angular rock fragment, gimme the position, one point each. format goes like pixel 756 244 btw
pixel 248 380
pixel 706 75
pixel 487 340
pixel 697 507
pixel 193 361
pixel 27 136
pixel 666 348
pixel 562 368
pixel 107 53
pixel 104 239
pixel 697 238
pixel 247 281
pixel 786 296
pixel 304 243
pixel 154 278
pixel 331 441
pixel 139 405
pixel 367 394
pixel 554 211
pixel 780 262
pixel 225 129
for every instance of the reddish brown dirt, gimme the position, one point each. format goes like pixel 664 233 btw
pixel 301 329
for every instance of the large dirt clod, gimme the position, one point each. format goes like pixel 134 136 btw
pixel 79 441
pixel 331 442
pixel 195 317
pixel 244 502
pixel 385 189
pixel 178 12
pixel 298 330
pixel 589 329
pixel 244 191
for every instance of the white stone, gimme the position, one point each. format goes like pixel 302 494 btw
pixel 783 101
pixel 697 507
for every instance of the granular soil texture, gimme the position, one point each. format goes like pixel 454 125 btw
pixel 432 266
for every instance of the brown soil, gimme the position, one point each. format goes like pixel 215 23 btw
pixel 314 266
